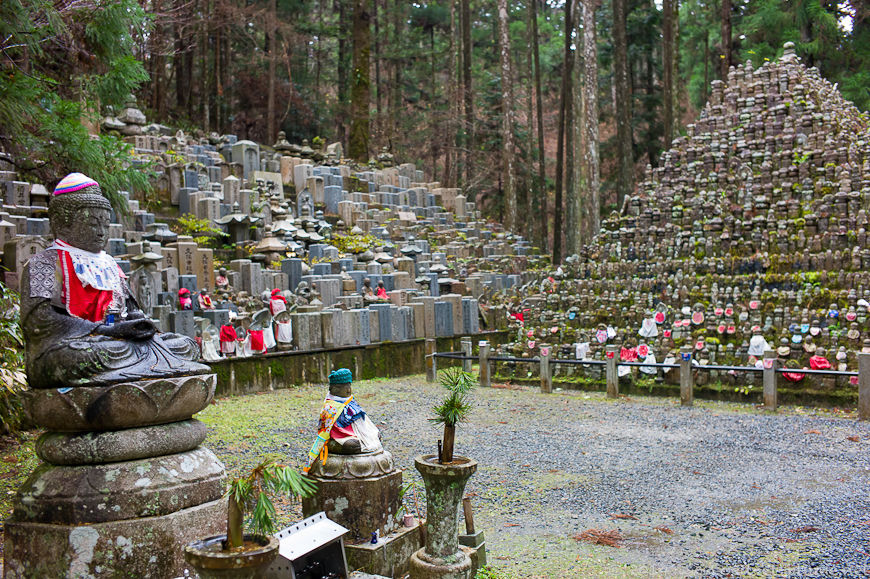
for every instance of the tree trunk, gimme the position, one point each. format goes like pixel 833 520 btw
pixel 542 176
pixel 342 68
pixel 448 127
pixel 226 96
pixel 360 92
pixel 432 100
pixel 572 203
pixel 467 98
pixel 622 96
pixel 668 16
pixel 235 520
pixel 726 38
pixel 398 94
pixel 530 186
pixel 649 106
pixel 378 129
pixel 271 50
pixel 449 435
pixel 590 205
pixel 204 93
pixel 510 192
pixel 564 103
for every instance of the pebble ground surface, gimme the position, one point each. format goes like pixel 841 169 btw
pixel 716 490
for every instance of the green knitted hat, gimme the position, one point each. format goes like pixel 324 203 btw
pixel 341 376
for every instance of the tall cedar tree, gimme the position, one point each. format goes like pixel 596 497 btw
pixel 510 191
pixel 360 82
pixel 622 106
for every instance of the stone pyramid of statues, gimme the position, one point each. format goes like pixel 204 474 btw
pixel 755 222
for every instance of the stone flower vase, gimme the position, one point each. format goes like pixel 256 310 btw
pixel 211 561
pixel 442 557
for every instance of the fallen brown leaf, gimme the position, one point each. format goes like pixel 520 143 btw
pixel 599 537
pixel 854 438
pixel 664 530
pixel 813 431
pixel 511 524
pixel 622 516
pixel 807 529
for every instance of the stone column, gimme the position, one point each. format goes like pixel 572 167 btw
pixel 769 379
pixel 610 371
pixel 442 556
pixel 546 372
pixel 687 393
pixel 431 366
pixel 863 386
pixel 465 343
pixel 483 364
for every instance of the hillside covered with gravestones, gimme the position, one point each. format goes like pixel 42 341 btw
pixel 751 235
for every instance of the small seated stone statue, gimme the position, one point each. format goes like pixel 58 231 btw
pixel 82 326
pixel 344 427
pixel 368 293
pixel 303 293
pixel 221 281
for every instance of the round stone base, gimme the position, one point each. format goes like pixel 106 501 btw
pixel 76 495
pixel 354 466
pixel 120 445
pixel 425 567
pixel 146 548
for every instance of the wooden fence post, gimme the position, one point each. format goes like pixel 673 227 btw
pixel 483 364
pixel 431 366
pixel 546 374
pixel 768 375
pixel 863 386
pixel 611 353
pixel 465 345
pixel 687 393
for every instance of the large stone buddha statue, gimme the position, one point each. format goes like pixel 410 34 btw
pixel 82 326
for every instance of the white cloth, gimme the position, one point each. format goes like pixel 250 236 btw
pixel 648 328
pixel 651 358
pixel 269 338
pixel 580 350
pixel 284 332
pixel 367 433
pixel 209 350
pixel 757 346
pixel 277 306
pixel 668 360
pixel 228 347
pixel 98 270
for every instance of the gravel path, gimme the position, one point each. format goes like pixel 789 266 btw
pixel 718 490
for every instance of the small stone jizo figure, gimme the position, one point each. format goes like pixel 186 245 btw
pixel 344 427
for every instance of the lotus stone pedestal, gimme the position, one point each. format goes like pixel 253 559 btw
pixel 124 484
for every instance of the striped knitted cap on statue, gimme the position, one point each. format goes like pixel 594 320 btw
pixel 74 182
pixel 341 376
